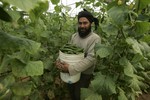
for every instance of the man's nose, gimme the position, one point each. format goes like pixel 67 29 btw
pixel 82 25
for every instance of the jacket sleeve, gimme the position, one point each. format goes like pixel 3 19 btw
pixel 87 62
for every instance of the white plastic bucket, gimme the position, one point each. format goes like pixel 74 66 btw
pixel 71 59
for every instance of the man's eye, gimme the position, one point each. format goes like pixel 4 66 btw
pixel 84 22
pixel 80 23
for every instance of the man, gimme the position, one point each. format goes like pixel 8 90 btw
pixel 85 39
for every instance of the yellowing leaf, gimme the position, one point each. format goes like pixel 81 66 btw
pixel 22 89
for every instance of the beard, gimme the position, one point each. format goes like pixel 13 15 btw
pixel 83 32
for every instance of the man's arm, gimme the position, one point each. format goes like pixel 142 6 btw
pixel 87 62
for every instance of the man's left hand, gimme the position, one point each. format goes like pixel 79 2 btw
pixel 63 66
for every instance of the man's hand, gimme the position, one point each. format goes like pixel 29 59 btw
pixel 63 66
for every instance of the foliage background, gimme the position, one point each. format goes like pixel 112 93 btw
pixel 30 38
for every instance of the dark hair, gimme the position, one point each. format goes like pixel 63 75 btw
pixel 89 16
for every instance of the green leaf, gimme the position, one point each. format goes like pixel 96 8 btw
pixel 55 1
pixel 135 83
pixel 15 15
pixel 8 81
pixel 48 63
pixel 145 46
pixel 103 84
pixel 121 95
pixel 135 45
pixel 137 58
pixel 118 14
pixel 143 4
pixel 4 65
pixel 57 8
pixel 123 61
pixel 18 68
pixel 38 11
pixel 34 68
pixel 145 75
pixel 138 66
pixel 4 15
pixel 109 29
pixel 22 89
pixel 25 5
pixel 30 46
pixel 104 51
pixel 48 77
pixel 131 95
pixel 146 38
pixel 142 27
pixel 78 4
pixel 15 43
pixel 22 56
pixel 87 94
pixel 128 69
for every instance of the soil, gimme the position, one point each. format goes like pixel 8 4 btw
pixel 144 97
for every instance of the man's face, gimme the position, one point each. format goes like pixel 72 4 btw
pixel 84 27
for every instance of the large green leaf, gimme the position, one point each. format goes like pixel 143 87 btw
pixel 30 46
pixel 34 68
pixel 14 14
pixel 16 43
pixel 103 51
pixel 87 94
pixel 128 67
pixel 104 84
pixel 22 89
pixel 22 56
pixel 18 68
pixel 4 15
pixel 142 27
pixel 118 14
pixel 25 5
pixel 142 4
pixel 109 29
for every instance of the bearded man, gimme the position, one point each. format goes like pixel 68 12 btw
pixel 86 39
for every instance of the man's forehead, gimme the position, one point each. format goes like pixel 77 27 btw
pixel 83 19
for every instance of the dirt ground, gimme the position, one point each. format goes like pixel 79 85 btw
pixel 144 97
